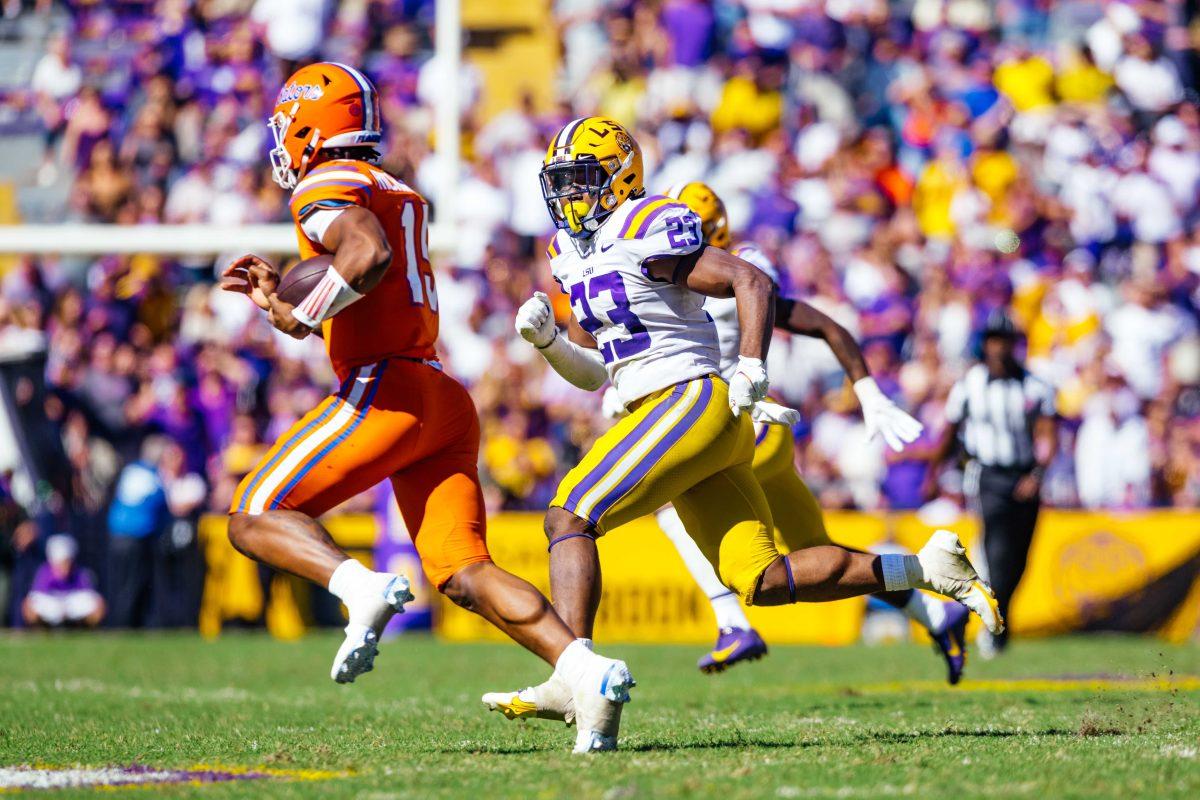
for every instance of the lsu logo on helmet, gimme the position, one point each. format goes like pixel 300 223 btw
pixel 321 106
pixel 592 166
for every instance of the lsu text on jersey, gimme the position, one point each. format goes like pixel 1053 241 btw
pixel 680 443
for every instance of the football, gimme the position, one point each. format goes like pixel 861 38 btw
pixel 301 279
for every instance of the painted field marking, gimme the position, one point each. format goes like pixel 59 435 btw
pixel 19 778
pixel 1181 683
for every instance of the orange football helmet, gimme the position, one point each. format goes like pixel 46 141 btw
pixel 323 105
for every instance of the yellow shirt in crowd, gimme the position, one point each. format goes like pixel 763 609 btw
pixel 1028 84
pixel 744 105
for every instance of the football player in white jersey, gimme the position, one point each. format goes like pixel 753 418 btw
pixel 798 520
pixel 637 272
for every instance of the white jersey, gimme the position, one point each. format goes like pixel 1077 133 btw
pixel 723 310
pixel 652 333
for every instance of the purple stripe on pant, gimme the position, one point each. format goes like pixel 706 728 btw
pixel 761 435
pixel 621 449
pixel 656 453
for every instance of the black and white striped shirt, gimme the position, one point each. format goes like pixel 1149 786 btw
pixel 998 415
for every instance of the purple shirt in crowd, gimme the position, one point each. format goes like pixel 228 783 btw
pixel 689 26
pixel 47 581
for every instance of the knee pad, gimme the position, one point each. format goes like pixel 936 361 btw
pixel 747 549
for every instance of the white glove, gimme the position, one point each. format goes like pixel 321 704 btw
pixel 885 418
pixel 774 414
pixel 611 406
pixel 535 321
pixel 748 385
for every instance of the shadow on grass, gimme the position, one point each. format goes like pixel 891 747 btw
pixel 884 737
pixel 735 741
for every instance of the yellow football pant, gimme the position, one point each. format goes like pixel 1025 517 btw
pixel 798 520
pixel 682 445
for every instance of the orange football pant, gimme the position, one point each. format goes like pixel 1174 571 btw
pixel 397 419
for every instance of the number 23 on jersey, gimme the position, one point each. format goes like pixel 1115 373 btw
pixel 605 294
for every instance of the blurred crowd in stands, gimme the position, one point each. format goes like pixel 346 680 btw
pixel 909 165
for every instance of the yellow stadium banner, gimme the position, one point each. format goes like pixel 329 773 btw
pixel 233 589
pixel 1087 571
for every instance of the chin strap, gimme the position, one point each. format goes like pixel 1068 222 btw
pixel 309 150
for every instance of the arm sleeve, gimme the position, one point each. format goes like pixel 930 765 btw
pixel 579 366
pixel 316 222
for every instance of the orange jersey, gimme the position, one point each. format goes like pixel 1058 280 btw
pixel 399 317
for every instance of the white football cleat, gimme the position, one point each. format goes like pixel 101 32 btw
pixel 947 570
pixel 357 654
pixel 599 699
pixel 549 700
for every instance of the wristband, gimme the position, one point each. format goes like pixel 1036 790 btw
pixel 895 573
pixel 328 297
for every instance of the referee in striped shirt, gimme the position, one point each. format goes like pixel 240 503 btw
pixel 1004 417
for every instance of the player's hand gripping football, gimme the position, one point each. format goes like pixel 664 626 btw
pixel 258 279
pixel 885 418
pixel 535 321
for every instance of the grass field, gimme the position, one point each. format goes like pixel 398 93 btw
pixel 1087 718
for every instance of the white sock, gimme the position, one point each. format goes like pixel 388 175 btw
pixel 573 662
pixel 729 612
pixel 725 605
pixel 927 611
pixel 352 583
pixel 901 572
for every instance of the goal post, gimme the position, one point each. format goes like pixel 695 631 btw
pixel 79 239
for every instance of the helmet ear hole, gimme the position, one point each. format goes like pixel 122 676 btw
pixel 303 132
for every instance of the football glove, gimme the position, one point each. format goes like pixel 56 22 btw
pixel 611 406
pixel 748 384
pixel 774 414
pixel 535 321
pixel 884 418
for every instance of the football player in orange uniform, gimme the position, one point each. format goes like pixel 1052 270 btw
pixel 397 416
